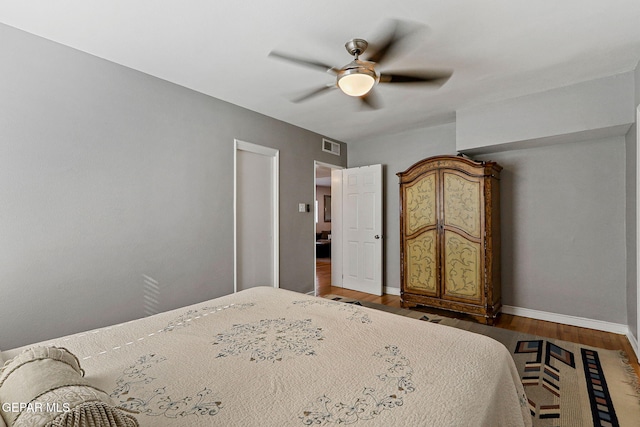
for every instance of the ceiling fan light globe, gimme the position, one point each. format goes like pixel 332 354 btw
pixel 356 84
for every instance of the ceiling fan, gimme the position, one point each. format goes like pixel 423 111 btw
pixel 358 77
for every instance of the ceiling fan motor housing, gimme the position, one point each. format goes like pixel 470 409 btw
pixel 356 47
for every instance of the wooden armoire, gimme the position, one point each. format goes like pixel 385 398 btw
pixel 450 236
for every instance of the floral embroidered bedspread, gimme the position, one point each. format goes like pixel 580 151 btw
pixel 271 357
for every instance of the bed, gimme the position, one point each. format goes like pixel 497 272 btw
pixel 271 357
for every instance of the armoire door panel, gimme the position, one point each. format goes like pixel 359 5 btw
pixel 420 206
pixel 462 267
pixel 462 200
pixel 422 263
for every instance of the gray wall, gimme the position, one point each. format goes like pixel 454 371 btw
pixel 594 109
pixel 631 220
pixel 601 107
pixel 563 218
pixel 631 230
pixel 116 185
pixel 563 228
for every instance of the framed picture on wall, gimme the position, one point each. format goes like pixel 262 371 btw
pixel 327 208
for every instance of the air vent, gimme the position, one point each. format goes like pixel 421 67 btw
pixel 331 147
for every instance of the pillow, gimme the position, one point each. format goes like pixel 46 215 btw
pixel 44 386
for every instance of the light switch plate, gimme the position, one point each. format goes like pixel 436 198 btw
pixel 301 207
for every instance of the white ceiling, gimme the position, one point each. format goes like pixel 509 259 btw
pixel 497 49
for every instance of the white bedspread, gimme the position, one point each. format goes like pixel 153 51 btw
pixel 270 357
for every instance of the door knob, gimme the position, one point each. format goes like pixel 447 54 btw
pixel 376 237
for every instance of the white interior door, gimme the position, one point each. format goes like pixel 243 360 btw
pixel 362 229
pixel 256 216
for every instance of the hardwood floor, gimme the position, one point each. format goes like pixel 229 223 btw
pixel 559 331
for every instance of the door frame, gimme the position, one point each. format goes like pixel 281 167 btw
pixel 636 340
pixel 336 217
pixel 274 154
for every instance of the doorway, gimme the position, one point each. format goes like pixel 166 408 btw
pixel 356 229
pixel 324 243
pixel 255 216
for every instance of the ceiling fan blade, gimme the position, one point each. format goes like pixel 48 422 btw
pixel 371 100
pixel 397 31
pixel 313 93
pixel 305 62
pixel 433 77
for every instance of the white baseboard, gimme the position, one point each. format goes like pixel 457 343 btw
pixel 634 344
pixel 391 291
pixel 582 322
